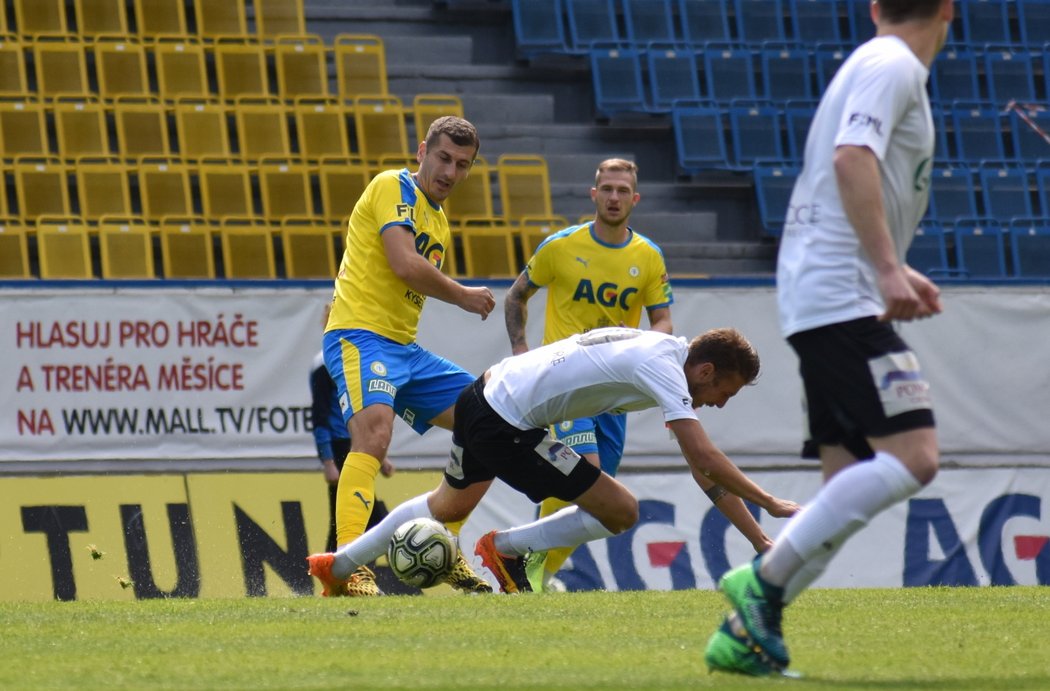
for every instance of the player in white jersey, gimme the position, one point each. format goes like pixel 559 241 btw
pixel 501 429
pixel 841 280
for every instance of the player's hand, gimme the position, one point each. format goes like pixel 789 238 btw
pixel 782 508
pixel 386 468
pixel 902 302
pixel 928 292
pixel 331 472
pixel 478 301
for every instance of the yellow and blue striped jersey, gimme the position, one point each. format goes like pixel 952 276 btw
pixel 368 294
pixel 591 284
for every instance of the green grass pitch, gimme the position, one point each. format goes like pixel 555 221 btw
pixel 945 638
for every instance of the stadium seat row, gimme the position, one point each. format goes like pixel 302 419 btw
pixel 983 248
pixel 174 67
pixel 577 26
pixel 153 19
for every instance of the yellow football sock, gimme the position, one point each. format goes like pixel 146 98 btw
pixel 555 557
pixel 355 496
pixel 455 526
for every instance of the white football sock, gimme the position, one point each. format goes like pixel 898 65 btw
pixel 566 528
pixel 374 542
pixel 843 506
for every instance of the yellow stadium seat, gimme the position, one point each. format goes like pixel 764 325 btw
pixel 80 128
pixel 164 189
pixel 276 17
pixel 126 248
pixel 97 18
pixel 380 125
pixel 247 249
pixel 102 188
pixel 342 180
pixel 301 67
pixel 321 127
pixel 186 248
pixel 226 189
pixel 284 186
pixel 63 248
pixel 181 69
pixel 240 69
pixel 524 186
pixel 488 250
pixel 472 196
pixel 157 18
pixel 216 19
pixel 14 250
pixel 360 65
pixel 202 130
pixel 41 188
pixel 535 229
pixel 395 162
pixel 427 108
pixel 23 129
pixel 142 128
pixel 309 248
pixel 13 82
pixel 121 69
pixel 262 128
pixel 40 17
pixel 60 66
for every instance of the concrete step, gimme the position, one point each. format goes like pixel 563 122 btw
pixel 522 109
pixel 669 230
pixel 432 49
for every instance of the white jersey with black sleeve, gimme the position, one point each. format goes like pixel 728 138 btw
pixel 604 370
pixel 878 100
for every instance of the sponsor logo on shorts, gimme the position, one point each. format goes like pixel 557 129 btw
pixel 565 426
pixel 378 368
pixel 409 416
pixel 579 439
pixel 344 403
pixel 901 385
pixel 455 462
pixel 383 386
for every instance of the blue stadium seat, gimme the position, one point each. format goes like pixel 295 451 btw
pixel 953 194
pixel 928 252
pixel 980 248
pixel 1033 20
pixel 1005 192
pixel 860 25
pixel 729 74
pixel 592 23
pixel 673 78
pixel 760 20
pixel 1042 181
pixel 798 115
pixel 704 21
pixel 786 74
pixel 828 59
pixel 617 77
pixel 815 21
pixel 978 132
pixel 1030 134
pixel 538 27
pixel 984 21
pixel 1009 75
pixel 1030 247
pixel 699 138
pixel 953 77
pixel 755 134
pixel 941 152
pixel 773 186
pixel 649 21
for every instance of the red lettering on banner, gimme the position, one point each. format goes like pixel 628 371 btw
pixel 35 422
pixel 74 334
pixel 201 376
pixel 142 334
pixel 25 380
pixel 109 376
pixel 210 334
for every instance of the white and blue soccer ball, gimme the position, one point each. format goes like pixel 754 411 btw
pixel 422 552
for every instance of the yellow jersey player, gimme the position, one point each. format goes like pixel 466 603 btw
pixel 597 274
pixel 396 242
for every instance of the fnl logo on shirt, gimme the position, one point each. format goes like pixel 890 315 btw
pixel 864 119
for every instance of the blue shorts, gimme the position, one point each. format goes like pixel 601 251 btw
pixel 603 435
pixel 370 369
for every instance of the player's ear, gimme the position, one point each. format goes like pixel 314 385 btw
pixel 421 152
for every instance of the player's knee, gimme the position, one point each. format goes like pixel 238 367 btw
pixel 624 517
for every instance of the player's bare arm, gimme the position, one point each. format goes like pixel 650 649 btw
pixel 423 277
pixel 705 459
pixel 660 319
pixel 516 312
pixel 860 187
pixel 733 508
pixel 927 290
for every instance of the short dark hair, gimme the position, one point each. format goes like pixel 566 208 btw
pixel 897 11
pixel 617 165
pixel 728 350
pixel 460 131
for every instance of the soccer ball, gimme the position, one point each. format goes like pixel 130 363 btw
pixel 422 552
